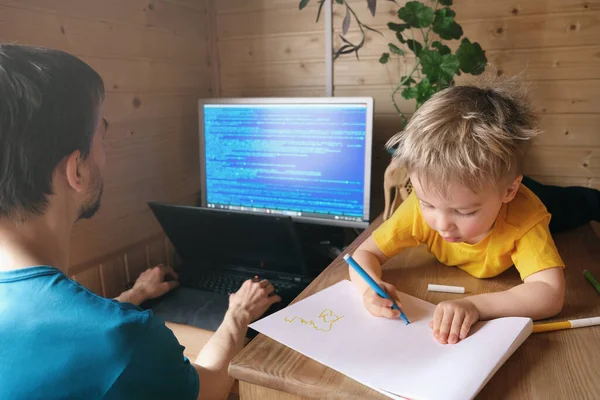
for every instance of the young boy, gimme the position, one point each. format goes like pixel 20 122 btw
pixel 464 150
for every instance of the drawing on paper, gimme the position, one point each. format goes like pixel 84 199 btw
pixel 324 322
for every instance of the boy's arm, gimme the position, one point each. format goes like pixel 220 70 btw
pixel 540 296
pixel 393 235
pixel 402 230
pixel 543 291
pixel 370 258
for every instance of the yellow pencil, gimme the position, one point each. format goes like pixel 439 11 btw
pixel 575 323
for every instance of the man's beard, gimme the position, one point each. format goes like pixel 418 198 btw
pixel 93 204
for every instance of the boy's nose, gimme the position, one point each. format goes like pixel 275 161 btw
pixel 444 224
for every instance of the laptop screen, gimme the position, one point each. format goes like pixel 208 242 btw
pixel 207 238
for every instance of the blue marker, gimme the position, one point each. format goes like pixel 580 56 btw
pixel 373 284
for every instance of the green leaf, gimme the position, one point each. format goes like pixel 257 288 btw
pixel 407 81
pixel 303 3
pixel 410 93
pixel 395 49
pixel 400 37
pixel 471 57
pixel 424 91
pixel 441 48
pixel 346 23
pixel 416 14
pixel 415 46
pixel 385 57
pixel 339 1
pixel 397 27
pixel 445 2
pixel 445 25
pixel 437 67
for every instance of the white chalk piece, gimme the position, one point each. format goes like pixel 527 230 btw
pixel 444 288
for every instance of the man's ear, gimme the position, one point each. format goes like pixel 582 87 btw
pixel 512 189
pixel 73 166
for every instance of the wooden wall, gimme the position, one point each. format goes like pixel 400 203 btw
pixel 158 57
pixel 269 47
pixel 154 57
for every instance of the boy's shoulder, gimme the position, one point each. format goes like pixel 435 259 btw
pixel 525 210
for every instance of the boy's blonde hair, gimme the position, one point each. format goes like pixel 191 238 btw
pixel 476 135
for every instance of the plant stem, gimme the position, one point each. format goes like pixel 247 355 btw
pixel 387 68
pixel 403 119
pixel 425 36
pixel 412 36
pixel 360 25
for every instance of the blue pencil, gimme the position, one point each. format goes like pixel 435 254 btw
pixel 373 284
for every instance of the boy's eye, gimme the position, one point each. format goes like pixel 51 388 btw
pixel 425 205
pixel 463 214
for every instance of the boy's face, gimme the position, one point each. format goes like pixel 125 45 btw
pixel 464 216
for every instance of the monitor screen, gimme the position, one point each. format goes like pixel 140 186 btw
pixel 309 158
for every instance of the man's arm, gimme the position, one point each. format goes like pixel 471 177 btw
pixel 213 360
pixel 212 363
pixel 540 296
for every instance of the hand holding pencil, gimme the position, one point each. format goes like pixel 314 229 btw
pixel 379 306
pixel 381 298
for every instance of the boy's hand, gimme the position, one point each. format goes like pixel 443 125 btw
pixel 453 319
pixel 380 307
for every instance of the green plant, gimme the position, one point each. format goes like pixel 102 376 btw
pixel 435 66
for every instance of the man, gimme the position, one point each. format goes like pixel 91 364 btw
pixel 57 339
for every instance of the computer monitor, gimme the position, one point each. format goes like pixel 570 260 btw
pixel 309 158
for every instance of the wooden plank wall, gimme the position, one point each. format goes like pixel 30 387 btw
pixel 270 48
pixel 154 58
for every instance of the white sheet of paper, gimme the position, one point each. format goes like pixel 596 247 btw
pixel 334 328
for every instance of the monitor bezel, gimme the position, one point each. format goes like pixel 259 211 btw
pixel 297 100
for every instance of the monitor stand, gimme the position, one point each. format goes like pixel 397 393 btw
pixel 321 244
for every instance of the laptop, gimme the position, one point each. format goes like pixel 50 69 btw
pixel 219 250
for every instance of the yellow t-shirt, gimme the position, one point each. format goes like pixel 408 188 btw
pixel 520 236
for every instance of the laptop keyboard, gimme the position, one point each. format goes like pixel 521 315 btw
pixel 226 284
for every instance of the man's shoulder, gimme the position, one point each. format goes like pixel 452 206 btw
pixel 120 324
pixel 85 300
pixel 71 307
pixel 79 335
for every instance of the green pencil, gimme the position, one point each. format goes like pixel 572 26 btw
pixel 592 280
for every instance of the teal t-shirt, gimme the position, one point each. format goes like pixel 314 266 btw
pixel 58 340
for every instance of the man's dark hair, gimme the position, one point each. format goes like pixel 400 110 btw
pixel 49 103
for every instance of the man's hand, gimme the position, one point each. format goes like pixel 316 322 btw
pixel 252 300
pixel 245 305
pixel 150 284
pixel 452 320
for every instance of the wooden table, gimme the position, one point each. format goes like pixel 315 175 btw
pixel 553 365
